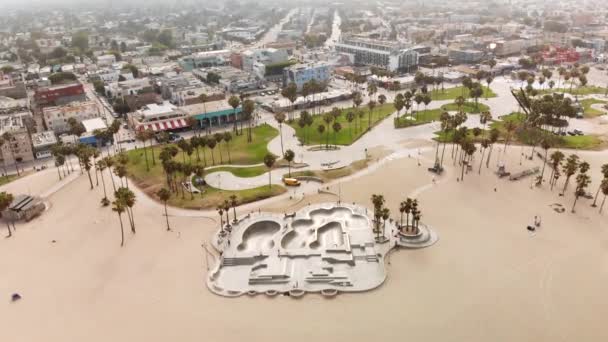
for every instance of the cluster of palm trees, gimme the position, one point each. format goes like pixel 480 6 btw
pixel 576 72
pixel 177 172
pixel 224 208
pixel 410 207
pixel 331 120
pixel 570 166
pixel 408 98
pixel 381 214
pixel 475 90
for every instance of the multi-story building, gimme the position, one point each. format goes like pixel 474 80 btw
pixel 205 59
pixel 232 80
pixel 383 54
pixel 214 113
pixel 42 143
pixel 267 56
pixel 302 73
pixel 159 117
pixel 56 118
pixel 126 88
pixel 19 147
pixel 464 56
pixel 106 60
pixel 59 95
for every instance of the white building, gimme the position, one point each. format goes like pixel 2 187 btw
pixel 159 117
pixel 106 60
pixel 383 54
pixel 56 118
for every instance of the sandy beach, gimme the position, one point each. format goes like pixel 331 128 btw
pixel 487 278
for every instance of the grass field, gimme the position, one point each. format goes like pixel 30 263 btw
pixel 419 118
pixel 453 93
pixel 530 136
pixel 212 197
pixel 349 133
pixel 7 179
pixel 244 172
pixel 586 90
pixel 468 107
pixel 242 153
pixel 589 112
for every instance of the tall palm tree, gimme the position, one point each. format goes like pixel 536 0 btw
pixel 328 118
pixel 101 166
pixel 218 138
pixel 227 139
pixel 5 201
pixel 269 160
pixel 321 129
pixel 164 194
pixel 385 216
pixel 234 102
pixel 233 204
pixel 582 182
pixel 371 105
pixel 280 118
pixel 220 211
pixel 604 188
pixel 119 207
pixel 546 145
pixel 127 197
pixel 290 92
pixel 211 142
pixel 289 156
pixel 142 136
pixel 570 168
pixel 605 174
pixel 350 117
pixel 336 127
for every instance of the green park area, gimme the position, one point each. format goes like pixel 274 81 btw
pixel 529 136
pixel 590 112
pixel 349 132
pixel 241 153
pixel 584 90
pixel 467 107
pixel 7 179
pixel 454 92
pixel 417 118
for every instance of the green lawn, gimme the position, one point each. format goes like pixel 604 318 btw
pixel 212 197
pixel 453 93
pixel 7 179
pixel 419 118
pixel 244 172
pixel 468 107
pixel 349 133
pixel 529 136
pixel 586 90
pixel 589 112
pixel 242 153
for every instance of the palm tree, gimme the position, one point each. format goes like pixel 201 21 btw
pixel 350 117
pixel 582 182
pixel 248 107
pixel 233 204
pixel 211 142
pixel 381 99
pixel 5 201
pixel 321 129
pixel 84 154
pixel 378 202
pixel 570 168
pixel 605 174
pixel 142 136
pixel 485 143
pixel 556 159
pixel 127 197
pixel 290 92
pixel 220 211
pixel 164 194
pixel 280 118
pixel 385 216
pixel 227 139
pixel 399 103
pixel 328 118
pixel 119 208
pixel 336 127
pixel 234 102
pixel 371 105
pixel 218 138
pixel 604 188
pixel 101 165
pixel 546 145
pixel 289 156
pixel 269 160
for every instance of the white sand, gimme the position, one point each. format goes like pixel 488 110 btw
pixel 487 279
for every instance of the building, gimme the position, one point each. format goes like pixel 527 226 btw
pixel 56 118
pixel 59 95
pixel 214 113
pixel 232 80
pixel 19 147
pixel 159 117
pixel 129 87
pixel 205 59
pixel 90 126
pixel 42 144
pixel 302 73
pixel 11 88
pixel 264 57
pixel 106 60
pixel 391 56
pixel 465 56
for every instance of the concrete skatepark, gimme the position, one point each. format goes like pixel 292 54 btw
pixel 326 248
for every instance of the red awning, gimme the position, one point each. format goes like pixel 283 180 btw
pixel 172 126
pixel 183 122
pixel 157 127
pixel 151 127
pixel 165 126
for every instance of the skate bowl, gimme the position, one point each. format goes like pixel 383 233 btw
pixel 325 248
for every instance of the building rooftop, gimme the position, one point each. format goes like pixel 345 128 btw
pixel 156 109
pixel 207 107
pixel 93 124
pixel 43 139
